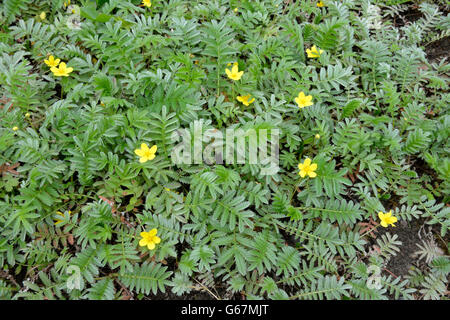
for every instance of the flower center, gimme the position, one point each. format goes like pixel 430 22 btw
pixel 147 153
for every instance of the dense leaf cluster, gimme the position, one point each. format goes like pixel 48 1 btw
pixel 378 131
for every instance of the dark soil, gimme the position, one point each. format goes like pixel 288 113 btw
pixel 408 234
pixel 195 295
pixel 438 50
pixel 216 290
pixel 406 17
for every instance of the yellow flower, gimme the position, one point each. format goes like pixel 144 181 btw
pixel 307 168
pixel 313 52
pixel 317 136
pixel 320 4
pixel 145 153
pixel 149 239
pixel 52 62
pixel 387 219
pixel 27 115
pixel 58 221
pixel 170 190
pixel 235 9
pixel 75 10
pixel 42 15
pixel 147 3
pixel 66 3
pixel 15 128
pixel 234 74
pixel 62 70
pixel 303 100
pixel 245 99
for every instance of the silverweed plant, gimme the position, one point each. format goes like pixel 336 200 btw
pixel 95 93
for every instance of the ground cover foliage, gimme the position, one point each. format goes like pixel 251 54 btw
pixel 75 197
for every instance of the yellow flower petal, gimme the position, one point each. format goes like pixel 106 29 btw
pixel 144 234
pixel 139 152
pixel 151 245
pixel 52 62
pixel 312 174
pixel 153 232
pixel 234 74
